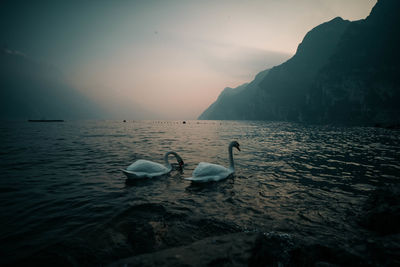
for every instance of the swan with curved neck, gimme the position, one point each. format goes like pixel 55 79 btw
pixel 208 172
pixel 149 169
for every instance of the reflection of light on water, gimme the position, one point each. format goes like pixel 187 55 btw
pixel 289 178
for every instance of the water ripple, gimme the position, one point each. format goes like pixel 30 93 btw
pixel 61 187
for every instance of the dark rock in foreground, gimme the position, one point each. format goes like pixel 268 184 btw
pixel 382 211
pixel 247 249
pixel 201 242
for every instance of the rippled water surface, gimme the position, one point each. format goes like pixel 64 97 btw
pixel 63 196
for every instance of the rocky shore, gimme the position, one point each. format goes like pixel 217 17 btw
pixel 379 247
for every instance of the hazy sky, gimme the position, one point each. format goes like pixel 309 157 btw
pixel 171 57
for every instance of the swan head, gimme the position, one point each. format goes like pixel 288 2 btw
pixel 180 162
pixel 236 145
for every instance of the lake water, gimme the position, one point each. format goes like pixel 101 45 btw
pixel 64 198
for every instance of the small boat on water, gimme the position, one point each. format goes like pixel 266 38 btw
pixel 45 120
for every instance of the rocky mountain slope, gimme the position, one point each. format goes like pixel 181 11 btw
pixel 343 72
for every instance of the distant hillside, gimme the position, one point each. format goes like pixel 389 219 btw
pixel 276 93
pixel 33 90
pixel 230 103
pixel 361 82
pixel 342 72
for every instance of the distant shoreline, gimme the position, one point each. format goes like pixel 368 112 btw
pixel 45 120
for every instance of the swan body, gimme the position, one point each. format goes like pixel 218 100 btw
pixel 149 169
pixel 209 172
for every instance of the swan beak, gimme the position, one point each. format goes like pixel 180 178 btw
pixel 238 148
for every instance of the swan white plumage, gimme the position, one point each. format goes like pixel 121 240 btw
pixel 207 172
pixel 149 169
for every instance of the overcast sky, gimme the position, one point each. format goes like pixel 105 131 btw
pixel 171 57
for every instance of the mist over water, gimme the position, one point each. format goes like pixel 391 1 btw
pixel 63 196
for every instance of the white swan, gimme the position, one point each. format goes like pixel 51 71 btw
pixel 149 169
pixel 207 172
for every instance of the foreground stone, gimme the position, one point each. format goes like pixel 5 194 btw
pixel 247 249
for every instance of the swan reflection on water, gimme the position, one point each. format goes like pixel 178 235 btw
pixel 218 186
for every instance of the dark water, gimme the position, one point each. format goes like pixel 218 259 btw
pixel 63 198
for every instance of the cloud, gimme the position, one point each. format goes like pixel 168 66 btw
pixel 242 62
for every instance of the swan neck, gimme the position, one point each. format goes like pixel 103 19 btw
pixel 167 164
pixel 231 164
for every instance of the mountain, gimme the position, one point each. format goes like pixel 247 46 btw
pixel 361 82
pixel 34 90
pixel 342 72
pixel 239 98
pixel 277 93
